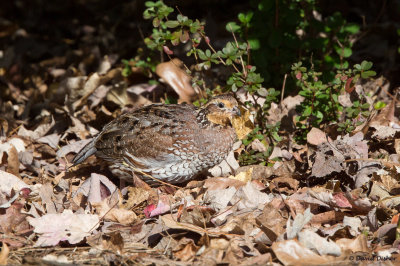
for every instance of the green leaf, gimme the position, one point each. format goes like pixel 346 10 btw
pixel 147 15
pixel 379 105
pixel 276 136
pixel 201 55
pixel 365 106
pixel 156 22
pixel 366 65
pixel 366 113
pixel 319 115
pixel 149 4
pixel 307 111
pixel 262 92
pixel 259 136
pixel 367 74
pixel 352 28
pixel 346 52
pixel 254 44
pixel 335 98
pixel 232 27
pixel 181 18
pixel 171 23
pixel 242 17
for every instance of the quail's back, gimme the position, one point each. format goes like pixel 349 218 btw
pixel 173 143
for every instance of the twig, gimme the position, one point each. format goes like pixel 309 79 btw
pixel 237 46
pixel 283 87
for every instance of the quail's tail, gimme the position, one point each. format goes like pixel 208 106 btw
pixel 84 153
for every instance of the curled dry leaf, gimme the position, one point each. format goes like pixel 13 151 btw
pixel 299 222
pixel 172 73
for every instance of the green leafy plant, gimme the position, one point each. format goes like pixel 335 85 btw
pixel 321 100
pixel 282 30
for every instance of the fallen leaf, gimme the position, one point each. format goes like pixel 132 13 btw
pixel 319 244
pixel 292 230
pixel 66 226
pixel 172 74
pixel 10 182
pixel 354 245
pixel 4 254
pixel 113 213
pixel 243 176
pixel 292 252
pixel 242 124
pixel 316 137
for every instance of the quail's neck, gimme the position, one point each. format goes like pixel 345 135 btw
pixel 202 119
pixel 205 118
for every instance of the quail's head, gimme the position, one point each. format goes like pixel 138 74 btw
pixel 221 109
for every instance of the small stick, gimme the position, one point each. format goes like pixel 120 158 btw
pixel 283 87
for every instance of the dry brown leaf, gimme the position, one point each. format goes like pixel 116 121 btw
pixel 242 124
pixel 13 161
pixel 219 183
pixel 359 244
pixel 172 74
pixel 113 241
pixel 112 213
pixel 319 244
pixel 243 176
pixel 11 182
pixel 292 252
pixel 260 172
pixel 135 197
pixel 272 221
pixel 92 83
pixel 12 220
pixel 386 115
pixel 66 226
pixel 47 195
pixel 327 217
pixel 397 145
pixel 185 250
pixel 171 222
pixel 4 254
pixel 257 145
pixel 316 137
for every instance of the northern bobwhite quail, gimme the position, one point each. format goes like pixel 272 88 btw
pixel 172 143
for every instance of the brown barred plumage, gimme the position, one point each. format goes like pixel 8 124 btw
pixel 173 143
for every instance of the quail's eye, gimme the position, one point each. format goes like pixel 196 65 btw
pixel 221 105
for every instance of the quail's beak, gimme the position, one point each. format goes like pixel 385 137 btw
pixel 236 111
